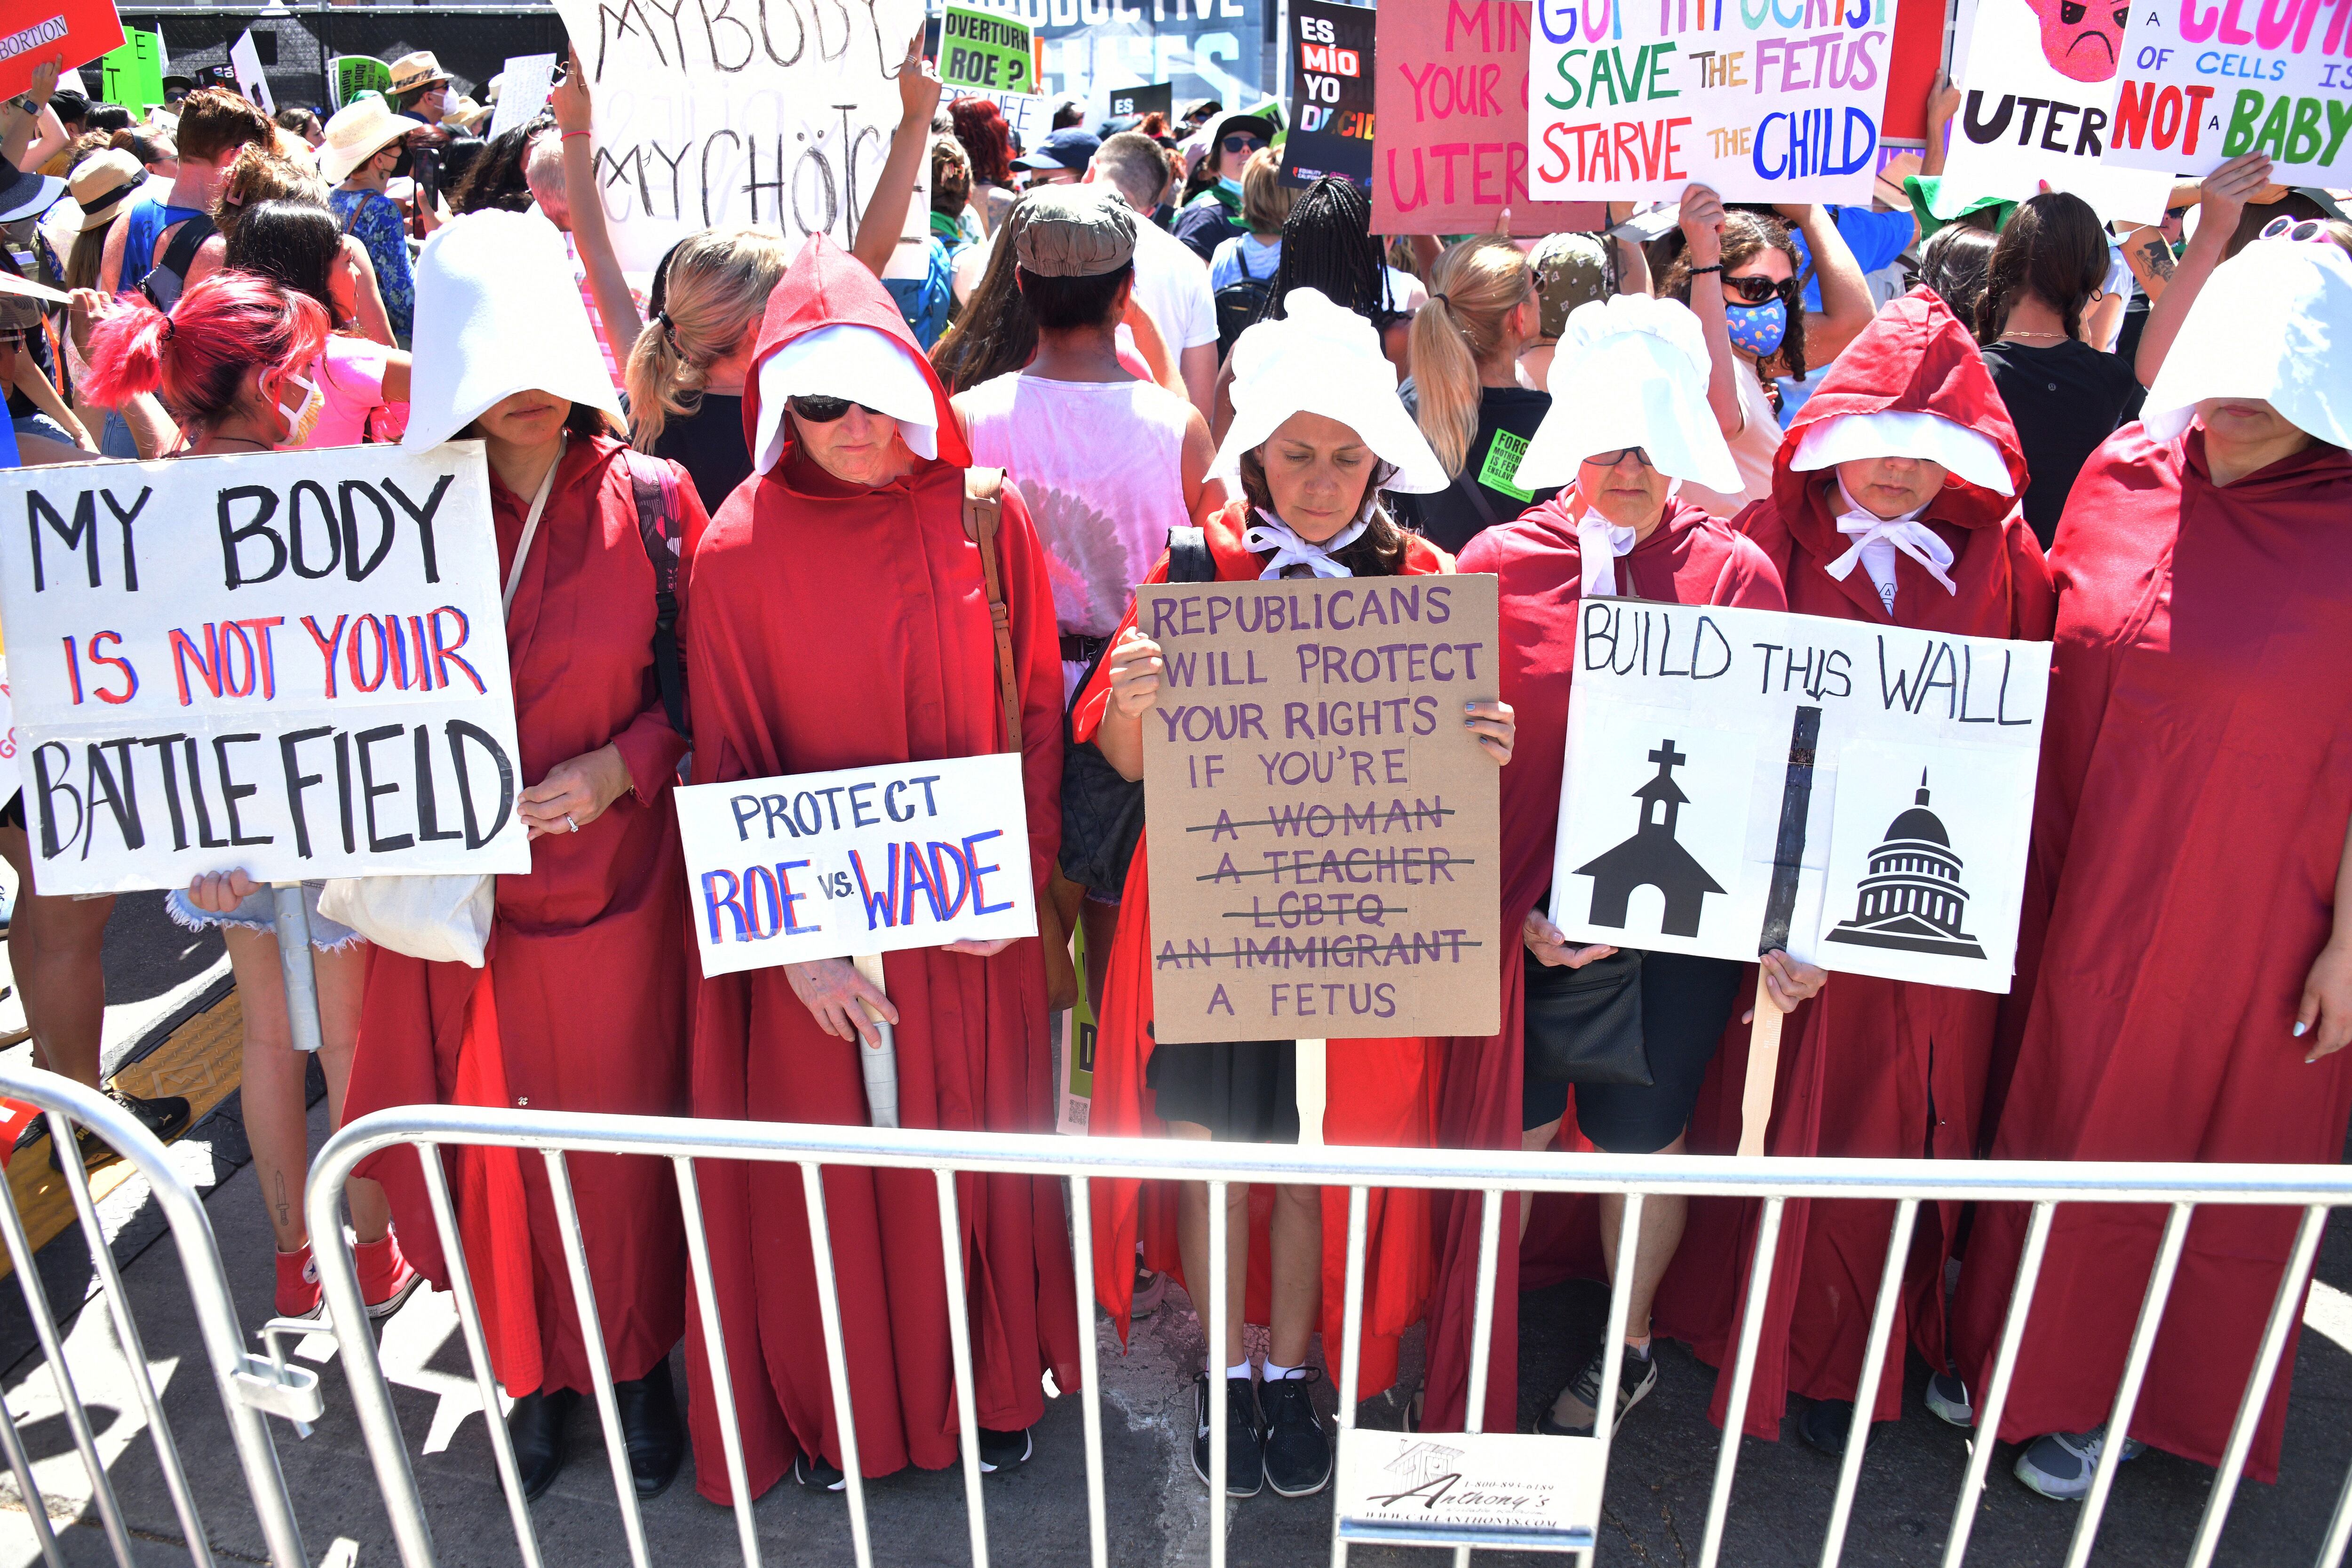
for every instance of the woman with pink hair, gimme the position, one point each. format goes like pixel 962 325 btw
pixel 233 364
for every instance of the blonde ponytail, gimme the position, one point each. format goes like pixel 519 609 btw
pixel 716 291
pixel 1474 289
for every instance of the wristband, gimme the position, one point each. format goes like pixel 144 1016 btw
pixel 1696 270
pixel 569 135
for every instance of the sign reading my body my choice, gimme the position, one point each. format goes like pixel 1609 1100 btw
pixel 292 662
pixel 1324 831
pixel 784 870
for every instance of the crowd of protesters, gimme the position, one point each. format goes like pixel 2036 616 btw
pixel 2128 440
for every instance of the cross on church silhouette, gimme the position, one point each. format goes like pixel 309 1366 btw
pixel 1652 857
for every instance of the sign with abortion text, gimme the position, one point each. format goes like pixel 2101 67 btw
pixel 2038 106
pixel 985 53
pixel 779 114
pixel 1859 796
pixel 1324 833
pixel 290 662
pixel 70 32
pixel 906 855
pixel 2204 82
pixel 1763 102
pixel 1331 86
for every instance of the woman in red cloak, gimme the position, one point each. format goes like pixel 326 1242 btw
pixel 2204 577
pixel 1620 451
pixel 1892 503
pixel 835 616
pixel 1318 434
pixel 582 1005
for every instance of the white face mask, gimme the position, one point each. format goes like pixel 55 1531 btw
pixel 303 418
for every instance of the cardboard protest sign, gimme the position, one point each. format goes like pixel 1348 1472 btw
pixel 70 31
pixel 1324 832
pixel 1450 147
pixel 1860 796
pixel 1332 90
pixel 1074 1053
pixel 2199 85
pixel 2037 106
pixel 356 73
pixel 1158 99
pixel 292 662
pixel 781 115
pixel 133 75
pixel 987 53
pixel 525 84
pixel 1634 102
pixel 860 860
pixel 245 61
pixel 1200 48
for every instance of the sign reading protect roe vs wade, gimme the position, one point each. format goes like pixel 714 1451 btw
pixel 292 662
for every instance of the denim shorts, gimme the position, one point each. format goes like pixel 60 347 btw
pixel 259 911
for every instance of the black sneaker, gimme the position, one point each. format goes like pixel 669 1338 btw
pixel 1002 1450
pixel 166 1116
pixel 1636 1376
pixel 1297 1447
pixel 811 1470
pixel 1827 1424
pixel 1245 1449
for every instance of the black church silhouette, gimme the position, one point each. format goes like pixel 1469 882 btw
pixel 1911 900
pixel 1653 859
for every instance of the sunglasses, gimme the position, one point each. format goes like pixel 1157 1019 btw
pixel 1241 142
pixel 1610 459
pixel 827 410
pixel 2304 229
pixel 1755 289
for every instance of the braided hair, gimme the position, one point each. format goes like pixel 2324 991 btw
pixel 1328 245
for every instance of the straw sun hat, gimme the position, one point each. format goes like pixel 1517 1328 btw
pixel 359 131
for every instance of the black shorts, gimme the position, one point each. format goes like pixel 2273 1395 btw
pixel 1686 1005
pixel 1242 1091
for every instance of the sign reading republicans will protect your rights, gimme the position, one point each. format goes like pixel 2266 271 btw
pixel 292 662
pixel 1324 831
pixel 904 855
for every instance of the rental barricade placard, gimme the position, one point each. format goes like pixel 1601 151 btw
pixel 290 662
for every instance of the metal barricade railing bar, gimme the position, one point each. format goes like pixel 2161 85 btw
pixel 250 1387
pixel 1493 1176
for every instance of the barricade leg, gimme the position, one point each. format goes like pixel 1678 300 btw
pixel 1351 1352
pixel 960 1357
pixel 1873 1360
pixel 2004 1367
pixel 592 1339
pixel 2143 1344
pixel 1082 1247
pixel 714 1342
pixel 1743 1378
pixel 1482 1331
pixel 828 1304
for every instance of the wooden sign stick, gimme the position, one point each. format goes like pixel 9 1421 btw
pixel 1779 908
pixel 881 1061
pixel 1311 1086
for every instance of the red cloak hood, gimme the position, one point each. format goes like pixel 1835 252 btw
pixel 1915 357
pixel 827 287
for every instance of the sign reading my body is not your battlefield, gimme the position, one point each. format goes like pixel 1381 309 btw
pixel 1324 831
pixel 1866 792
pixel 292 662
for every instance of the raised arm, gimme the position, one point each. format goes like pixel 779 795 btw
pixel 1702 226
pixel 1846 307
pixel 885 216
pixel 573 111
pixel 2221 200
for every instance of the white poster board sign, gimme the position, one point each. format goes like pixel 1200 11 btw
pixel 779 115
pixel 861 860
pixel 2037 83
pixel 292 662
pixel 1867 789
pixel 524 88
pixel 245 60
pixel 1632 102
pixel 1506 1488
pixel 2201 86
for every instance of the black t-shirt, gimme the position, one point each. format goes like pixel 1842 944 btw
pixel 2064 400
pixel 710 445
pixel 1449 519
pixel 1207 223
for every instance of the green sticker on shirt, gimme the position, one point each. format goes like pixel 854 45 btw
pixel 1501 471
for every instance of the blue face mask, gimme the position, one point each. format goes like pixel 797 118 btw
pixel 1758 329
pixel 1230 187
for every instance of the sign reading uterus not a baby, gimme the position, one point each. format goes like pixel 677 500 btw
pixel 1859 796
pixel 1324 831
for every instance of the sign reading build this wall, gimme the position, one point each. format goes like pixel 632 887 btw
pixel 1323 829
pixel 778 114
pixel 1764 100
pixel 784 870
pixel 1860 796
pixel 292 662
pixel 2205 80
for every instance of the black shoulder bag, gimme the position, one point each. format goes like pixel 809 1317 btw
pixel 1584 1026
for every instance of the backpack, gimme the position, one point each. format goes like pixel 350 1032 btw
pixel 661 527
pixel 176 258
pixel 1240 305
pixel 927 301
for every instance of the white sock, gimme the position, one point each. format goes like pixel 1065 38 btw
pixel 1273 1373
pixel 1241 1370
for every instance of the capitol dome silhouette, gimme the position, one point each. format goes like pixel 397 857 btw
pixel 1911 900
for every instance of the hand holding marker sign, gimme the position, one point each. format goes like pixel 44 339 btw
pixel 2201 84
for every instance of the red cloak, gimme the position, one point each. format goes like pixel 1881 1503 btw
pixel 1380 1093
pixel 1689 559
pixel 2200 643
pixel 1873 1069
pixel 831 626
pixel 585 1007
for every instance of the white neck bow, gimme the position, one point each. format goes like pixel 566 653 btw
pixel 1270 532
pixel 1881 537
pixel 1600 542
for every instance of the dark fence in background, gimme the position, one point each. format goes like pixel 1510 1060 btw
pixel 473 43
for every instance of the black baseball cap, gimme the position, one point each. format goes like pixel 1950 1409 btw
pixel 1072 147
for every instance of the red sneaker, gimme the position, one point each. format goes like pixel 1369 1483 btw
pixel 386 1282
pixel 298 1284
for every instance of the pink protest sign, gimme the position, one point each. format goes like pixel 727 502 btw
pixel 1450 146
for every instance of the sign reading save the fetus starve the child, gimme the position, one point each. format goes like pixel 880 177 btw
pixel 290 662
pixel 1859 796
pixel 1324 832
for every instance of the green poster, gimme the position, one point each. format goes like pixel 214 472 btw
pixel 133 75
pixel 356 73
pixel 990 53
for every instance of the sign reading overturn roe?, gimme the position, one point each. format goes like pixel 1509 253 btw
pixel 1324 830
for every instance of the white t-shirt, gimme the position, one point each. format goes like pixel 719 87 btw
pixel 1753 449
pixel 1173 286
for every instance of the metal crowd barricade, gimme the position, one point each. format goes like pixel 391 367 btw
pixel 250 1387
pixel 1497 1176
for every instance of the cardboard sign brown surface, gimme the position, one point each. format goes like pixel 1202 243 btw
pixel 1324 832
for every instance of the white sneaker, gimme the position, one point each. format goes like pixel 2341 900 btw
pixel 1947 1397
